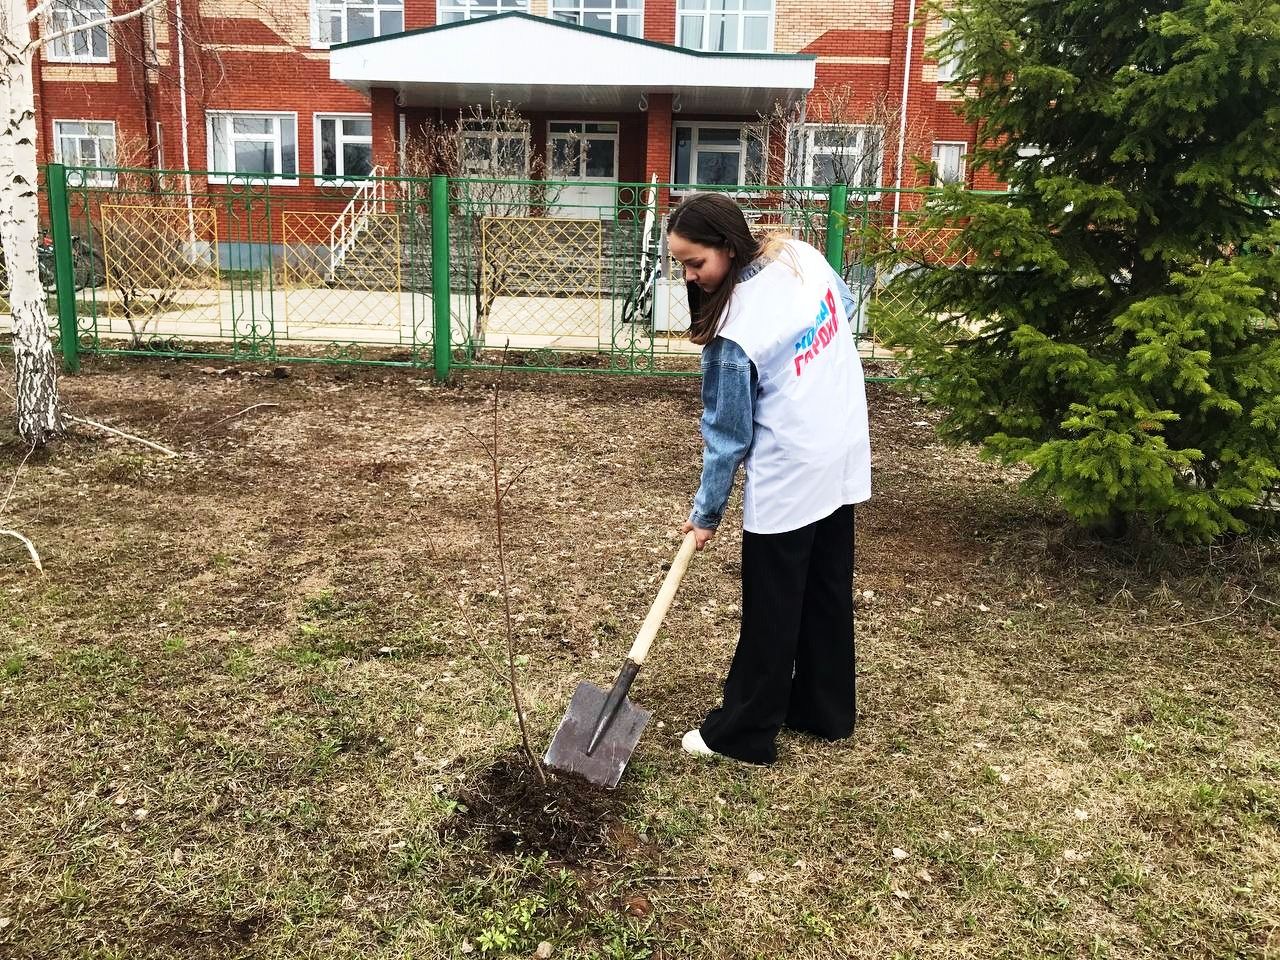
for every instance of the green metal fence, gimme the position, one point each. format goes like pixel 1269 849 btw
pixel 550 273
pixel 437 273
pixel 183 264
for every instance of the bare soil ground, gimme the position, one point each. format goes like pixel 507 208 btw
pixel 249 711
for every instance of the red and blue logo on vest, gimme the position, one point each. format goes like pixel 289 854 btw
pixel 820 334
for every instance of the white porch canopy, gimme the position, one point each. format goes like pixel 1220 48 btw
pixel 537 63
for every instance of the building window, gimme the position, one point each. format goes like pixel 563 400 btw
pixel 717 154
pixel 583 151
pixel 454 11
pixel 948 162
pixel 83 46
pixel 495 151
pixel 253 145
pixel 948 66
pixel 827 153
pixel 344 146
pixel 342 21
pixel 87 143
pixel 625 17
pixel 725 26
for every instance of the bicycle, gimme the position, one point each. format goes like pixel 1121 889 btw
pixel 87 268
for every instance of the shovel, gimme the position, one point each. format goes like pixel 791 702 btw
pixel 602 727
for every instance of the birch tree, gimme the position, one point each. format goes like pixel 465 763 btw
pixel 39 417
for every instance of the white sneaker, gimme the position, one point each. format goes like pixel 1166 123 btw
pixel 693 743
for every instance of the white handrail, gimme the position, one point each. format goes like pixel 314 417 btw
pixel 649 274
pixel 370 198
pixel 650 212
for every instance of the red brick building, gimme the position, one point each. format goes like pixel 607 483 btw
pixel 653 87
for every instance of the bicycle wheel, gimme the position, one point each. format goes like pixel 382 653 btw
pixel 48 274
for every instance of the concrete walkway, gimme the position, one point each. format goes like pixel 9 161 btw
pixel 319 315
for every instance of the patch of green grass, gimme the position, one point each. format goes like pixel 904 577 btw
pixel 680 822
pixel 174 644
pixel 331 628
pixel 508 912
pixel 13 665
pixel 417 857
pixel 239 662
pixel 100 661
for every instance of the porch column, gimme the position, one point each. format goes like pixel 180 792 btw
pixel 657 152
pixel 386 129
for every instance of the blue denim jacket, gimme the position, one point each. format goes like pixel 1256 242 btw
pixel 729 386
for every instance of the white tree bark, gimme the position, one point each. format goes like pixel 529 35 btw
pixel 39 418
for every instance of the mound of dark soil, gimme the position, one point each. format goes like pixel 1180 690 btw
pixel 569 819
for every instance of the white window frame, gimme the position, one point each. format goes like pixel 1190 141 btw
pixel 340 176
pixel 579 9
pixel 457 11
pixel 809 132
pixel 743 142
pixel 321 11
pixel 947 66
pixel 963 169
pixel 485 133
pixel 91 180
pixel 584 137
pixel 705 12
pixel 62 16
pixel 225 176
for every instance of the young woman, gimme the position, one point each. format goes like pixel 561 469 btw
pixel 782 389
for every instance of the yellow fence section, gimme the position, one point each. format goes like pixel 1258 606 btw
pixel 543 277
pixel 352 282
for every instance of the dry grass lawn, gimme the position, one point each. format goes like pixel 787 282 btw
pixel 248 712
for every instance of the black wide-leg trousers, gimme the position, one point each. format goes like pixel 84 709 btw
pixel 794 665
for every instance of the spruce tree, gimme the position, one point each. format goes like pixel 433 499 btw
pixel 1114 321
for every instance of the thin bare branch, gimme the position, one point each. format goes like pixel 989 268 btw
pixel 92 25
pixel 31 549
pixel 1196 623
pixel 481 442
pixel 513 685
pixel 512 482
pixel 14 482
pixel 241 413
pixel 127 436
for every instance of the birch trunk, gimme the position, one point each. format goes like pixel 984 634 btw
pixel 35 372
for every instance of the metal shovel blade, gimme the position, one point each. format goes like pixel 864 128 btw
pixel 604 766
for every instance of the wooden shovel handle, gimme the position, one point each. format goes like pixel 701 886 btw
pixel 667 593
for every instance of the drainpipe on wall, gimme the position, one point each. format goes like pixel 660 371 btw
pixel 401 169
pixel 180 28
pixel 902 121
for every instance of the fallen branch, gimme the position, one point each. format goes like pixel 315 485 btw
pixel 14 482
pixel 1196 623
pixel 127 436
pixel 692 878
pixel 31 547
pixel 256 406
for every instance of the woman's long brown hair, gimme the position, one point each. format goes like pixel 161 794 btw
pixel 713 220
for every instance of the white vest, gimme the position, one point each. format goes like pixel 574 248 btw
pixel 811 453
